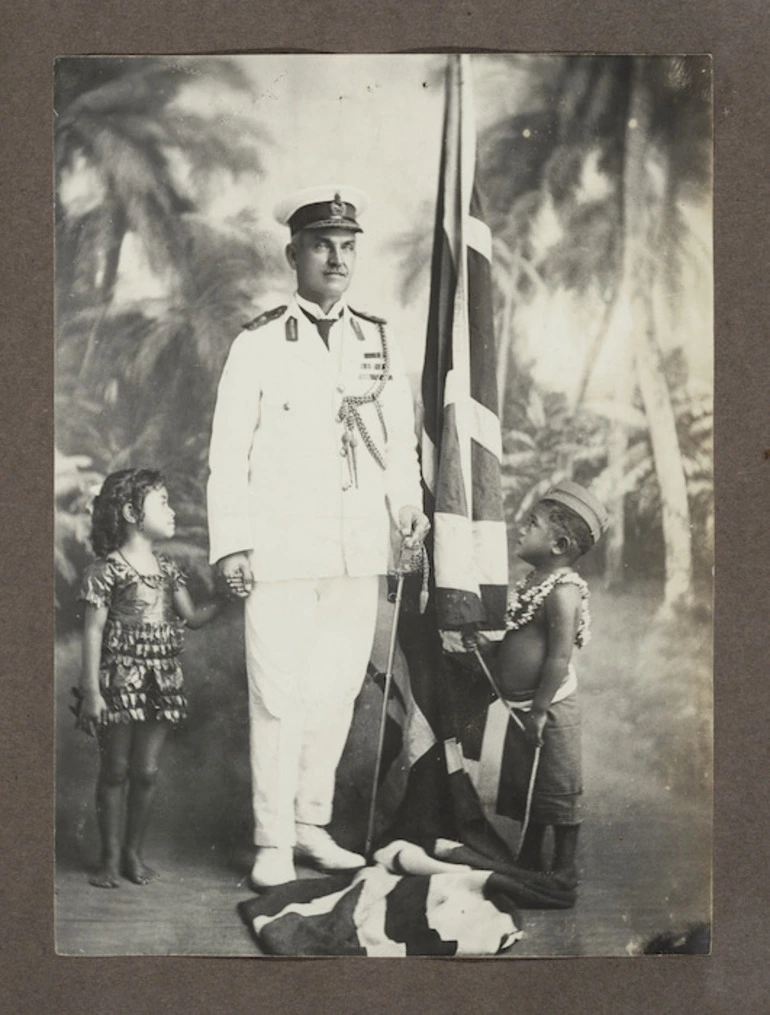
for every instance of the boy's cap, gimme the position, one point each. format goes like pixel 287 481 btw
pixel 583 503
pixel 332 205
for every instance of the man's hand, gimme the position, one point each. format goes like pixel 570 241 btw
pixel 236 570
pixel 535 724
pixel 413 526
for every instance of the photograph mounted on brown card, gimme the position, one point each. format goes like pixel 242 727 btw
pixel 384 505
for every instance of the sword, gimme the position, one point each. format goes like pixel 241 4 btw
pixel 384 713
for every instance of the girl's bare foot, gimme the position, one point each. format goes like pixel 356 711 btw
pixel 136 870
pixel 107 876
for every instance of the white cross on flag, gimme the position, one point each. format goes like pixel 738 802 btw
pixel 461 442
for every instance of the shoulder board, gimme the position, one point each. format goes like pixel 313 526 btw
pixel 269 315
pixel 368 317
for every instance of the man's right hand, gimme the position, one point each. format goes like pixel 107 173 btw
pixel 236 570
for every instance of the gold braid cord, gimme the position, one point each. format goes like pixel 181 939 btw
pixel 415 561
pixel 351 417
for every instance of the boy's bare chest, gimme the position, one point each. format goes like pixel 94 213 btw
pixel 522 654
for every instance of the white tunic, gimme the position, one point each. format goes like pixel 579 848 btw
pixel 279 485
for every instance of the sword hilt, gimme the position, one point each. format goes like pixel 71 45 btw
pixel 413 560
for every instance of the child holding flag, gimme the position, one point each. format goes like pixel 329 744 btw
pixel 547 617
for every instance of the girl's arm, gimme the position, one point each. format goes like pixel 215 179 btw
pixel 195 616
pixel 93 706
pixel 562 609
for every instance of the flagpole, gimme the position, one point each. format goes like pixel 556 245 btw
pixel 460 440
pixel 535 760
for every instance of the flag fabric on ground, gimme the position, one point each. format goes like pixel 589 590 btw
pixel 380 913
pixel 451 902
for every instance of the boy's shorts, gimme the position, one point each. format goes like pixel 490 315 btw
pixel 559 783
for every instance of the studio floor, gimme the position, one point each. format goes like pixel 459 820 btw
pixel 637 882
pixel 645 849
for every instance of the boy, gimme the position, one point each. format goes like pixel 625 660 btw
pixel 547 615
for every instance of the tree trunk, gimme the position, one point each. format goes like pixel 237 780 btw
pixel 616 533
pixel 618 328
pixel 115 232
pixel 505 332
pixel 594 350
pixel 643 205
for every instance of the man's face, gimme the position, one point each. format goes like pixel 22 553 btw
pixel 324 260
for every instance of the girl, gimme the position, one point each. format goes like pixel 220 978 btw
pixel 131 689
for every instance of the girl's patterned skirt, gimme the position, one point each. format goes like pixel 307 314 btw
pixel 140 676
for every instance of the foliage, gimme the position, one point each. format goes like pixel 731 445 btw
pixel 136 374
pixel 547 441
pixel 693 408
pixel 587 181
pixel 75 482
pixel 553 169
pixel 552 172
pixel 117 122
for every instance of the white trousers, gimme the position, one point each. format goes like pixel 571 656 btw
pixel 307 646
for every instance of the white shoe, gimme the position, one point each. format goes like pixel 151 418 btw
pixel 315 844
pixel 272 866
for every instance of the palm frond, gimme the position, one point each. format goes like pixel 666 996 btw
pixel 618 412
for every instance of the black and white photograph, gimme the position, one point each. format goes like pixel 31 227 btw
pixel 384 513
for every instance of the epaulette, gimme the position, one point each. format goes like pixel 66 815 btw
pixel 269 315
pixel 368 317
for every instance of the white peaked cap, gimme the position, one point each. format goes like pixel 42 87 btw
pixel 333 204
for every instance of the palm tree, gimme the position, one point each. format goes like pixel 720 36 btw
pixel 116 119
pixel 135 380
pixel 643 231
pixel 627 123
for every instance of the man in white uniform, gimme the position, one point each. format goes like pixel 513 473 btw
pixel 312 458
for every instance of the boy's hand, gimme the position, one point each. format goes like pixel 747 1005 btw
pixel 93 711
pixel 535 724
pixel 472 638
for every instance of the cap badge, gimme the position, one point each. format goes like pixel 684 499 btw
pixel 337 207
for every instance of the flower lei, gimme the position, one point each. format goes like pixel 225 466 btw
pixel 525 600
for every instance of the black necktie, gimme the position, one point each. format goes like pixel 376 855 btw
pixel 323 324
pixel 324 327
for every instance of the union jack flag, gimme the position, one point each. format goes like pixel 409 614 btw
pixel 461 443
pixel 452 786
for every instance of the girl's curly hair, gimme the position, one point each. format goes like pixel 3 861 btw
pixel 129 486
